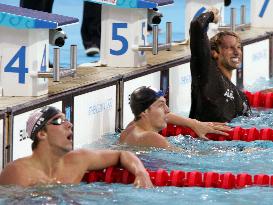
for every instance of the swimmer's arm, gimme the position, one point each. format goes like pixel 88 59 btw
pixel 13 174
pixel 199 25
pixel 198 35
pixel 200 128
pixel 179 120
pixel 200 45
pixel 101 159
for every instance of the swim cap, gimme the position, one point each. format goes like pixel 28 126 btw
pixel 38 119
pixel 142 98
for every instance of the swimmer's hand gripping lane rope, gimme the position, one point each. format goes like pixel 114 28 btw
pixel 182 179
pixel 238 133
pixel 257 99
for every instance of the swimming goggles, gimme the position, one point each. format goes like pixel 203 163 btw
pixel 57 121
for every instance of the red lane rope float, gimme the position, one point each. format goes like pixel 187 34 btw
pixel 180 178
pixel 260 99
pixel 238 133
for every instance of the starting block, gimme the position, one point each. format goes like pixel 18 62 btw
pixel 124 31
pixel 24 52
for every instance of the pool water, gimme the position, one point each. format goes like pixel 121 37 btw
pixel 100 193
pixel 235 157
pixel 228 156
pixel 196 155
pixel 261 117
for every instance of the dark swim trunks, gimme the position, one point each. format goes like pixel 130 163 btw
pixel 214 97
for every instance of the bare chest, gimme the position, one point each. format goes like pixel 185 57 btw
pixel 60 176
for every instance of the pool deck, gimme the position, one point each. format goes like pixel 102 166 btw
pixel 88 76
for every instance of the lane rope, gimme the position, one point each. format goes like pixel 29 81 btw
pixel 260 99
pixel 237 133
pixel 181 178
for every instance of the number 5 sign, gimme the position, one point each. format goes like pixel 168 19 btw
pixel 121 29
pixel 23 53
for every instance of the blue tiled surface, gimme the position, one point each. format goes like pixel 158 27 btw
pixel 162 2
pixel 138 3
pixel 21 18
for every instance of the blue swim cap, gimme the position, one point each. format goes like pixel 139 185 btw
pixel 142 98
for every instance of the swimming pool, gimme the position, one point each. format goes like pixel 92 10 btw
pixel 227 156
pixel 198 155
pixel 232 156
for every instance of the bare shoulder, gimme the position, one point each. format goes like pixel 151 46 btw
pixel 77 154
pixel 128 133
pixel 16 173
pixel 150 139
pixel 153 136
pixel 19 164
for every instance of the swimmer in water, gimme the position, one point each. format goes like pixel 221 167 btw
pixel 214 97
pixel 53 161
pixel 152 115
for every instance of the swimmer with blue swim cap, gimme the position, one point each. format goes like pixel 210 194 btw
pixel 54 162
pixel 152 115
pixel 142 98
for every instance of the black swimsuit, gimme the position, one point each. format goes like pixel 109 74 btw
pixel 214 97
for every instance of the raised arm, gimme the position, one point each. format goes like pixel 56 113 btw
pixel 199 42
pixel 105 158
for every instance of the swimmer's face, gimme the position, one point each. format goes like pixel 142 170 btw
pixel 157 113
pixel 230 53
pixel 59 133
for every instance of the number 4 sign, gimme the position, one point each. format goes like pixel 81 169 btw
pixel 21 59
pixel 21 68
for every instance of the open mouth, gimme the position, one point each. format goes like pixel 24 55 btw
pixel 235 60
pixel 70 137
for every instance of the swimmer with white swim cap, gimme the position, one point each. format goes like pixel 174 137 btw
pixel 53 161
